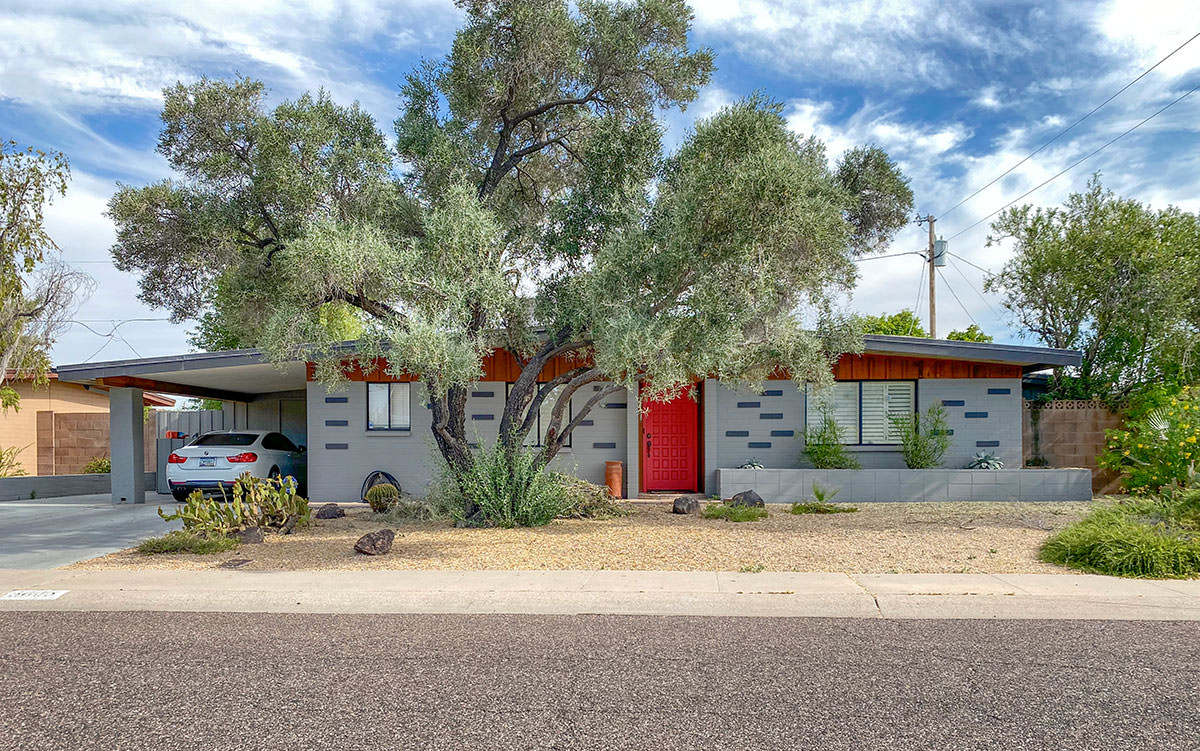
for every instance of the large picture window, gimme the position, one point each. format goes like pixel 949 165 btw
pixel 387 406
pixel 538 432
pixel 863 409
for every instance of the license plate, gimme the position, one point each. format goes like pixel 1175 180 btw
pixel 208 462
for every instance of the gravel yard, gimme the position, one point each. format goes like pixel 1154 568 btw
pixel 879 538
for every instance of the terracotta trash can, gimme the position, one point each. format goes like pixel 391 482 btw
pixel 614 476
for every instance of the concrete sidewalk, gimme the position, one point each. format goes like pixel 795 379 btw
pixel 1036 596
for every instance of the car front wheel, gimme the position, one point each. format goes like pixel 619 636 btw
pixel 180 494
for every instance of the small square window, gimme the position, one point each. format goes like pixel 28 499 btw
pixel 388 406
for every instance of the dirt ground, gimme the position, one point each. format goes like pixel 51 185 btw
pixel 879 538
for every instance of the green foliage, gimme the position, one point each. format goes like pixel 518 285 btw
pixel 1152 537
pixel 184 541
pixel 904 323
pixel 734 513
pixel 382 497
pixel 1159 447
pixel 10 461
pixel 98 465
pixel 984 460
pixel 254 502
pixel 510 490
pixel 586 500
pixel 407 508
pixel 821 503
pixel 971 333
pixel 823 445
pixel 924 438
pixel 1110 277
pixel 752 463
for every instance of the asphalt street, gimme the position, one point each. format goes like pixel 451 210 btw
pixel 150 680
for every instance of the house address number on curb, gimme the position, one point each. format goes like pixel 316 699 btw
pixel 34 594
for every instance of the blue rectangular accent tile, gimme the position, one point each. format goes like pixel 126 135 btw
pixel 759 444
pixel 987 444
pixel 336 446
pixel 975 415
pixel 773 392
pixel 483 394
pixel 483 417
pixel 999 391
pixel 953 403
pixel 771 416
pixel 784 433
pixel 615 405
pixel 336 399
pixel 750 405
pixel 737 433
pixel 337 423
pixel 604 445
pixel 586 422
pixel 950 431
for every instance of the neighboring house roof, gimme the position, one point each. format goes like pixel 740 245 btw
pixel 245 374
pixel 148 399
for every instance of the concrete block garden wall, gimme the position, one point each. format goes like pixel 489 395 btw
pixel 909 485
pixel 342 452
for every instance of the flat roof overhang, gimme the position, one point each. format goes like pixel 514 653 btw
pixel 1031 359
pixel 241 375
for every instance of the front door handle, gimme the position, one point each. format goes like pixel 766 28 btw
pixel 648 444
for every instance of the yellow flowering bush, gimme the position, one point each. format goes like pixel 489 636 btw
pixel 1158 448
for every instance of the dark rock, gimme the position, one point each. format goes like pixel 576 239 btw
pixel 375 543
pixel 289 524
pixel 685 505
pixel 747 498
pixel 330 511
pixel 250 535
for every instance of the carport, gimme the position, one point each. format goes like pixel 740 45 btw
pixel 260 394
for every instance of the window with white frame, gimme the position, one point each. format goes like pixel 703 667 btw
pixel 863 410
pixel 538 432
pixel 388 406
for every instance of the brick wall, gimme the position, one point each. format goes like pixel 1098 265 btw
pixel 1070 433
pixel 66 441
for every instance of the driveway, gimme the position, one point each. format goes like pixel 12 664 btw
pixel 53 532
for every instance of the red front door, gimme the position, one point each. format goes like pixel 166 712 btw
pixel 671 444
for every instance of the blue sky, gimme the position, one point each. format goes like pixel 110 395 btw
pixel 956 92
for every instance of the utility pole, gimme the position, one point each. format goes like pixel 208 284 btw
pixel 932 287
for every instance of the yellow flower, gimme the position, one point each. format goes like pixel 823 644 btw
pixel 1191 439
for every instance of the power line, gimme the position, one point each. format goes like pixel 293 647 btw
pixel 955 294
pixel 917 305
pixel 971 263
pixel 978 291
pixel 893 255
pixel 1079 161
pixel 1070 127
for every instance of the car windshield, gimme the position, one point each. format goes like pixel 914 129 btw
pixel 226 439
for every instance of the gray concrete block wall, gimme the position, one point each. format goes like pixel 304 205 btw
pixel 969 399
pixel 756 418
pixel 57 486
pixel 910 485
pixel 337 474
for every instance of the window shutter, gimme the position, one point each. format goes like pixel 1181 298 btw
pixel 842 400
pixel 377 406
pixel 882 401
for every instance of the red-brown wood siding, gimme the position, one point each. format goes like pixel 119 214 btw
pixel 502 367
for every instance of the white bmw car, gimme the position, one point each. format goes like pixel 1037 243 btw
pixel 215 460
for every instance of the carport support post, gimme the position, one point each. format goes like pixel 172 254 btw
pixel 125 418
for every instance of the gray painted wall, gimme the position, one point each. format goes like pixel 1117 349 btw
pixel 728 411
pixel 981 418
pixel 56 486
pixel 341 456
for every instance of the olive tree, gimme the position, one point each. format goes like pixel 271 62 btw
pixel 533 210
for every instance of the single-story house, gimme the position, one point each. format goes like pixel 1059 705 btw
pixel 59 426
pixel 382 423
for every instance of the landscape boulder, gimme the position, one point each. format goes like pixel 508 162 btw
pixel 330 511
pixel 250 535
pixel 685 505
pixel 289 524
pixel 747 498
pixel 375 543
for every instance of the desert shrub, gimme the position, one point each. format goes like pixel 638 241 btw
pixel 98 465
pixel 1155 538
pixel 820 504
pixel 734 513
pixel 407 508
pixel 824 447
pixel 924 437
pixel 382 497
pixel 10 462
pixel 183 541
pixel 752 463
pixel 511 491
pixel 1158 447
pixel 254 502
pixel 587 500
pixel 985 460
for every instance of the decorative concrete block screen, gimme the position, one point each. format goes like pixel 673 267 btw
pixel 1070 433
pixel 870 485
